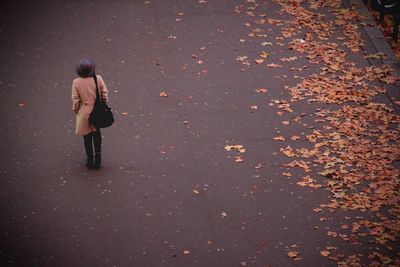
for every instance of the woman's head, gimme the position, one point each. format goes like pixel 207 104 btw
pixel 85 68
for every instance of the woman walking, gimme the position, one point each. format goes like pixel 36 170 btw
pixel 83 99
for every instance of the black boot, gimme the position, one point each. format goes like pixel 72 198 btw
pixel 89 151
pixel 97 149
pixel 89 163
pixel 97 161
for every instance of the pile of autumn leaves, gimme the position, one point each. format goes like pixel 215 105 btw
pixel 358 141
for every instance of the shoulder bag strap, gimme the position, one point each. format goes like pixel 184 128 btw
pixel 98 98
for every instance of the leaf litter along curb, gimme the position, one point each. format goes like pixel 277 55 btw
pixel 358 142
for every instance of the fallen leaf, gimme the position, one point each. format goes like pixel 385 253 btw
pixel 258 166
pixel 325 253
pixel 294 255
pixel 295 137
pixel 288 151
pixel 239 148
pixel 239 159
pixel 163 94
pixel 261 90
pixel 264 54
pixel 273 65
pixel 266 43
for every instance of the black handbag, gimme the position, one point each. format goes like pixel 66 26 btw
pixel 101 115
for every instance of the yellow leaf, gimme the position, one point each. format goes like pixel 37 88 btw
pixel 264 54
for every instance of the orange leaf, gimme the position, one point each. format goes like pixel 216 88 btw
pixel 325 253
pixel 163 94
pixel 261 90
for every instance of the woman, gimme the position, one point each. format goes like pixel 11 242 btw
pixel 83 99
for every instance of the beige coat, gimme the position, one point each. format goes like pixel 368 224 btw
pixel 83 98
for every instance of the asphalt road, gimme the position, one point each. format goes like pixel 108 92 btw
pixel 168 193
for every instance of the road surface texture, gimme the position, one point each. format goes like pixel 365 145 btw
pixel 247 133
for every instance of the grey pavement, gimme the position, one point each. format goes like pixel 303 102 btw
pixel 168 193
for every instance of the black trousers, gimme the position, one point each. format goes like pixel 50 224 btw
pixel 90 140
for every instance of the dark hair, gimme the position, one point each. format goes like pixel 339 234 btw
pixel 85 68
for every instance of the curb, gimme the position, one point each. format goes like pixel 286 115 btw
pixel 381 45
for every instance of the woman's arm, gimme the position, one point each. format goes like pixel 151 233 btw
pixel 75 98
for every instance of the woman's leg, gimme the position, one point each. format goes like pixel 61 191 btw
pixel 89 149
pixel 97 148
